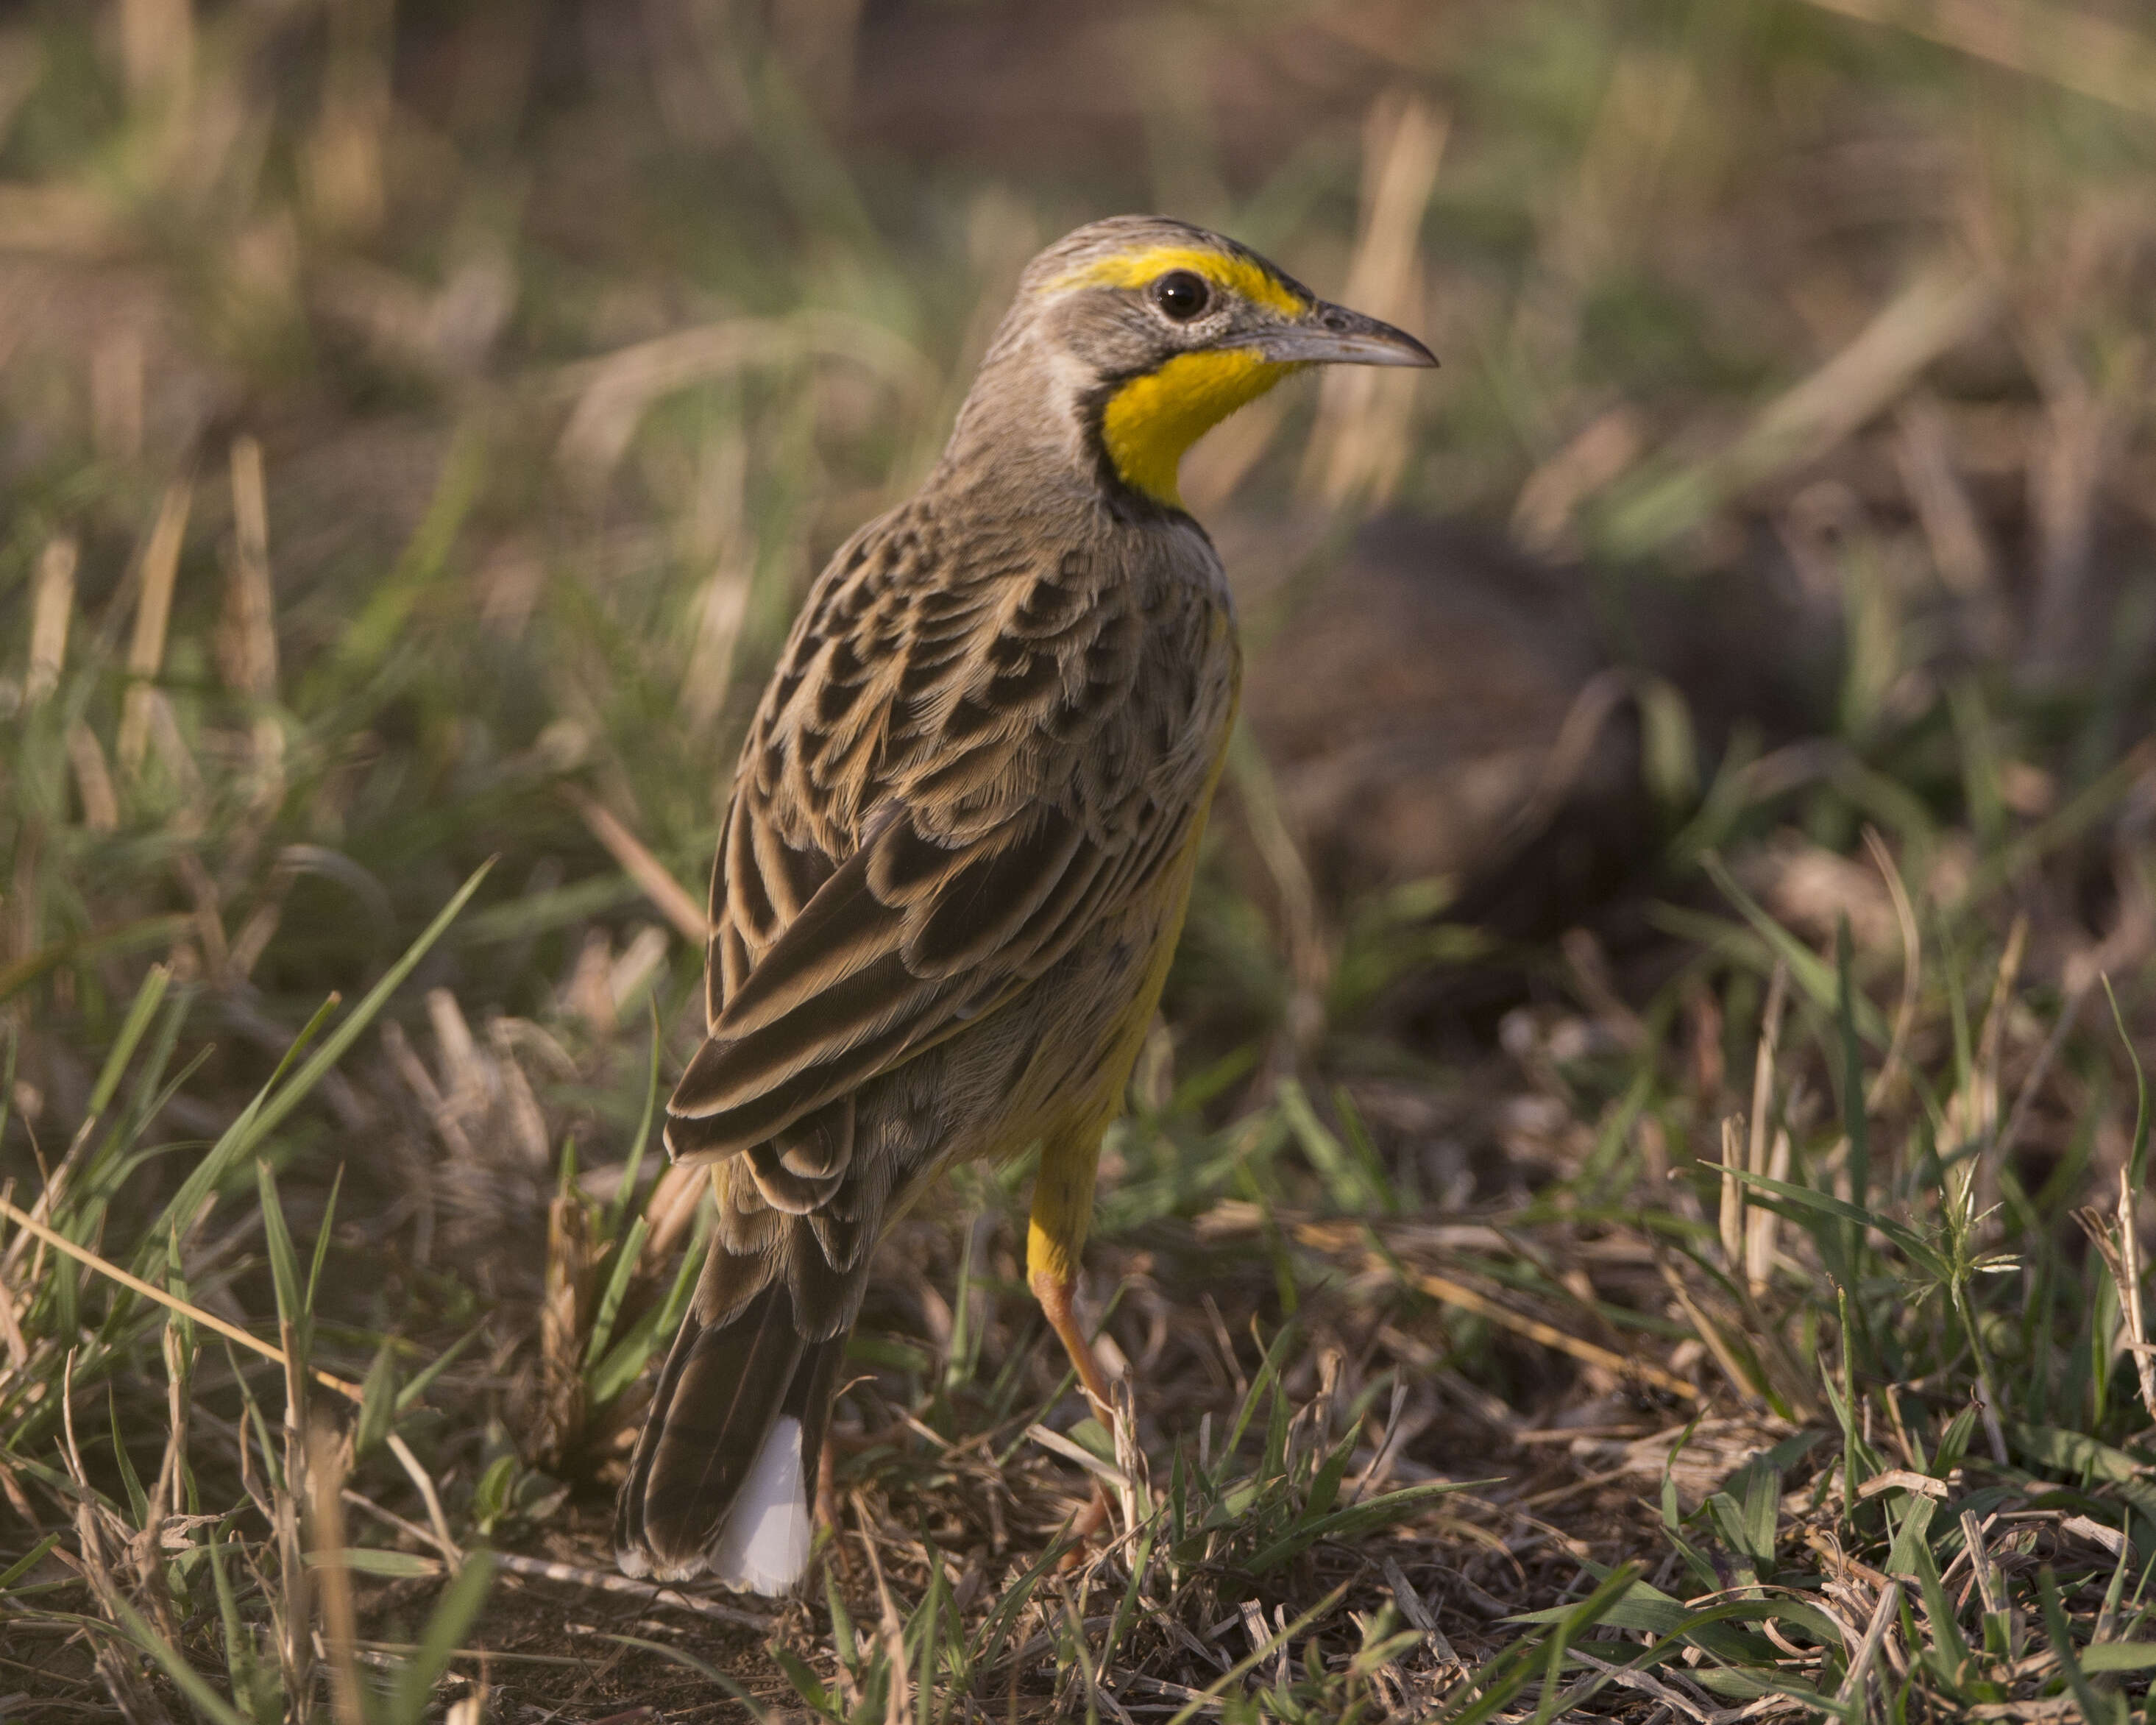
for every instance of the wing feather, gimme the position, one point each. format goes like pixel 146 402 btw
pixel 939 796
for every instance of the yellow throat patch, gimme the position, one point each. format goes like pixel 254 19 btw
pixel 1150 421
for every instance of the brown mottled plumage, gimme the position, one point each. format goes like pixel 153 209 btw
pixel 959 850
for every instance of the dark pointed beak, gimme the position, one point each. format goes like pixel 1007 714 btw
pixel 1329 335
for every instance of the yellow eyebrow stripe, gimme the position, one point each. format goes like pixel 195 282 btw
pixel 1240 275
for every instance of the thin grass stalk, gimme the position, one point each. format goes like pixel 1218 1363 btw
pixel 1867 1651
pixel 158 571
pixel 52 607
pixel 2130 1293
pixel 294 1621
pixel 1358 447
pixel 249 642
pixel 1732 1217
pixel 1764 1064
pixel 121 1678
pixel 673 898
pixel 1905 1012
pixel 1710 1334
pixel 1975 1176
pixel 1762 1224
pixel 326 1541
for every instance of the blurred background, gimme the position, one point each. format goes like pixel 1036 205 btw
pixel 419 423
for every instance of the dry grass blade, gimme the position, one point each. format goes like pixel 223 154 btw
pixel 721 611
pixel 344 156
pixel 424 1482
pixel 1980 1566
pixel 248 641
pixel 2117 1239
pixel 1924 455
pixel 291 1499
pixel 603 1581
pixel 93 779
pixel 1328 1238
pixel 1710 1334
pixel 156 49
pixel 2132 1295
pixel 1760 1230
pixel 641 866
pixel 1359 446
pixel 1762 1066
pixel 208 1320
pixel 1874 1637
pixel 1947 304
pixel 327 1465
pixel 159 567
pixel 1905 1013
pixel 614 393
pixel 1731 1216
pixel 52 607
pixel 1055 1442
pixel 2076 50
pixel 1600 454
pixel 1648 1685
pixel 564 1320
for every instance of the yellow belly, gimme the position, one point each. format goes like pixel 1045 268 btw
pixel 1069 1134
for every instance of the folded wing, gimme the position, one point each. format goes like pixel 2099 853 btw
pixel 1021 752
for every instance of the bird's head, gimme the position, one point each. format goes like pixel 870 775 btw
pixel 1145 333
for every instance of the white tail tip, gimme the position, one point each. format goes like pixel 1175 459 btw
pixel 765 1547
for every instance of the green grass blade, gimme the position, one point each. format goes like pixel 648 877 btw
pixel 120 937
pixel 627 1253
pixel 239 1641
pixel 28 1561
pixel 138 1500
pixel 275 1103
pixel 284 1256
pixel 1855 1116
pixel 379 1403
pixel 2095 1710
pixel 144 1007
pixel 2136 1161
pixel 420 1384
pixel 619 1368
pixel 322 1237
pixel 1358 1521
pixel 453 1615
pixel 625 1192
pixel 205 1700
pixel 1810 972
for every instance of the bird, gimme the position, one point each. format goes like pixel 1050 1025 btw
pixel 957 853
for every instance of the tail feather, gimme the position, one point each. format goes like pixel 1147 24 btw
pixel 722 1473
pixel 765 1546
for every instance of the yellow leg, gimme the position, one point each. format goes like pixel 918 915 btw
pixel 1062 1207
pixel 1054 1297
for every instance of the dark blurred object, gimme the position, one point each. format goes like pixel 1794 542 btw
pixel 1439 703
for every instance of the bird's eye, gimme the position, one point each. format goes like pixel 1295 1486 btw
pixel 1181 294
